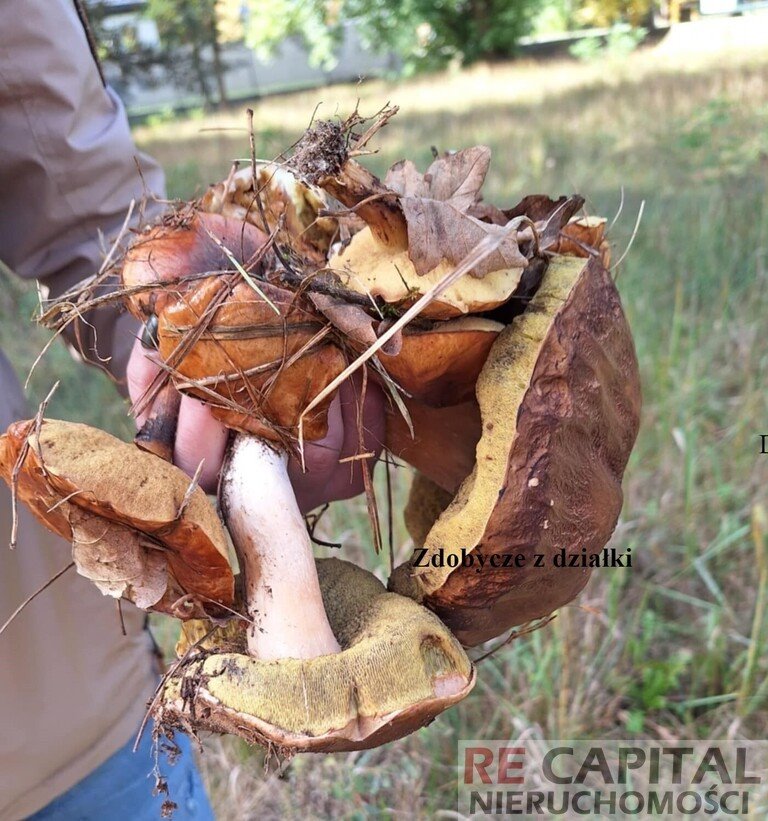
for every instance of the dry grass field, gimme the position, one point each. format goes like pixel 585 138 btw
pixel 675 646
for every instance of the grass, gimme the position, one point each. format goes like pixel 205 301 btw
pixel 675 645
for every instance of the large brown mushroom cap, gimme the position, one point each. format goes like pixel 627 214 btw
pixel 559 398
pixel 97 491
pixel 162 262
pixel 399 667
pixel 257 364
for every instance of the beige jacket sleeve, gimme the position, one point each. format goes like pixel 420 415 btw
pixel 68 165
pixel 73 688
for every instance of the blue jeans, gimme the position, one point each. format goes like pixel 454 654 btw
pixel 121 788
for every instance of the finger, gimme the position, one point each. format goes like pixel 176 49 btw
pixel 141 370
pixel 321 460
pixel 199 437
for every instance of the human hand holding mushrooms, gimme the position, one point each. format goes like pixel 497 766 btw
pixel 291 293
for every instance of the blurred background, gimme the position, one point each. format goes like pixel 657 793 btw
pixel 658 115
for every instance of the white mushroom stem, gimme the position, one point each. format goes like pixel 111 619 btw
pixel 282 591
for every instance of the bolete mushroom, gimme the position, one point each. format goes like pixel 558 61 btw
pixel 139 528
pixel 254 359
pixel 559 403
pixel 398 668
pixel 516 396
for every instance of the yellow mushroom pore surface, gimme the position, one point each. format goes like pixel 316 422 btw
pixel 370 267
pixel 394 655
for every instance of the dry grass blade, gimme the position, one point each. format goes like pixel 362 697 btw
pixel 193 485
pixel 631 240
pixel 33 596
pixel 243 273
pixel 531 627
pixel 394 391
pixel 19 463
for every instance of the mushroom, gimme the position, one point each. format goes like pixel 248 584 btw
pixel 255 360
pixel 368 266
pixel 517 401
pixel 141 531
pixel 559 403
pixel 139 528
pixel 282 592
pixel 398 668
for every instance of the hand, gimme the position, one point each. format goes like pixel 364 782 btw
pixel 201 437
pixel 327 479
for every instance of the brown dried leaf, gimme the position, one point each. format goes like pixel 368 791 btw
pixel 353 322
pixel 453 178
pixel 550 216
pixel 437 231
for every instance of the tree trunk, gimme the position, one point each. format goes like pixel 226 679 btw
pixel 219 69
pixel 197 64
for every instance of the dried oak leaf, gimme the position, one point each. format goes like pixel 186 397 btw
pixel 452 178
pixel 435 206
pixel 437 231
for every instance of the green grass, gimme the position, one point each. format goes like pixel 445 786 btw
pixel 676 644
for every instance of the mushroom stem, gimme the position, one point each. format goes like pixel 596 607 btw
pixel 270 537
pixel 357 188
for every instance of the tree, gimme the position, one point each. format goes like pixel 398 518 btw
pixel 424 33
pixel 609 12
pixel 189 51
pixel 191 29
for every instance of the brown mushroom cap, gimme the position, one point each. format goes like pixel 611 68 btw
pixel 257 368
pixel 439 366
pixel 181 248
pixel 399 667
pixel 559 398
pixel 583 237
pixel 68 470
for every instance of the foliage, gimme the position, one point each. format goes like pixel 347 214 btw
pixel 424 34
pixel 189 48
pixel 620 41
pixel 608 12
pixel 559 16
